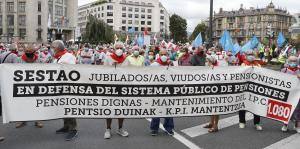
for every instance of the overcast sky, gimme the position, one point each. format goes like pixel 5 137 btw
pixel 196 10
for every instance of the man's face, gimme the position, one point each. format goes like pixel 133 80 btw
pixel 164 53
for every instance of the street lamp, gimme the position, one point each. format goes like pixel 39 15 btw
pixel 211 24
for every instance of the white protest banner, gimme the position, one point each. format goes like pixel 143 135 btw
pixel 44 92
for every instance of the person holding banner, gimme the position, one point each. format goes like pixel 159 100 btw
pixel 61 56
pixel 150 58
pixel 199 57
pixel 30 56
pixel 293 69
pixel 214 119
pixel 249 61
pixel 163 60
pixel 185 59
pixel 117 58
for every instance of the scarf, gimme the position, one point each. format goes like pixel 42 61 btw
pixel 162 63
pixel 27 60
pixel 118 59
pixel 59 54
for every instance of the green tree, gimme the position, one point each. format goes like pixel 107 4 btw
pixel 200 28
pixel 97 31
pixel 178 28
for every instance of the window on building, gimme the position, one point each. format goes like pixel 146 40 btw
pixel 11 32
pixel 136 16
pixel 123 8
pixel 0 6
pixel 59 1
pixel 124 15
pixel 0 20
pixel 10 7
pixel 129 15
pixel 39 6
pixel 123 28
pixel 136 29
pixel 130 9
pixel 39 35
pixel 22 33
pixel 136 22
pixel 143 16
pixel 110 7
pixel 129 21
pixel 22 20
pixel 161 23
pixel 162 17
pixel 98 15
pixel 102 15
pixel 1 31
pixel 10 20
pixel 59 10
pixel 149 17
pixel 109 21
pixel 110 14
pixel 102 8
pixel 142 22
pixel 161 11
pixel 148 22
pixel 143 10
pixel 136 9
pixel 142 28
pixel 39 19
pixel 149 29
pixel 99 9
pixel 149 10
pixel 123 21
pixel 22 6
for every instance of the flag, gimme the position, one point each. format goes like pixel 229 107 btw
pixel 131 30
pixel 49 20
pixel 127 39
pixel 280 40
pixel 116 38
pixel 140 40
pixel 226 41
pixel 198 41
pixel 155 38
pixel 146 31
pixel 251 44
pixel 236 49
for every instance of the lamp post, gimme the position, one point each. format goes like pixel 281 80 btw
pixel 210 34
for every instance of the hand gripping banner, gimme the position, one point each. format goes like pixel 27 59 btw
pixel 44 92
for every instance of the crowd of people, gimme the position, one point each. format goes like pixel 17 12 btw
pixel 120 54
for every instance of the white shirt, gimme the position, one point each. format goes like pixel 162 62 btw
pixel 67 58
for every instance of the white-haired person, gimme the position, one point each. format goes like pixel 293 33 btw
pixel 249 61
pixel 61 56
pixel 116 58
pixel 293 69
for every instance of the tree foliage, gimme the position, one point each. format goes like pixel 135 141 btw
pixel 97 31
pixel 200 28
pixel 178 27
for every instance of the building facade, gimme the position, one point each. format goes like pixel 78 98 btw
pixel 295 28
pixel 244 23
pixel 29 21
pixel 125 15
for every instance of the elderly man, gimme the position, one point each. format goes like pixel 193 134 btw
pixel 29 56
pixel 163 60
pixel 61 56
pixel 116 58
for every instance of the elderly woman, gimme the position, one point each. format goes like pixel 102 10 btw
pixel 293 69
